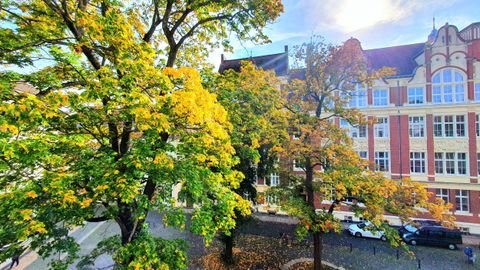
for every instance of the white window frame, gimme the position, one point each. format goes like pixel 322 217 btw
pixel 443 194
pixel 360 154
pixel 477 92
pixel 274 179
pixel 417 162
pixel 416 126
pixel 478 163
pixel 357 97
pixel 380 101
pixel 354 132
pixel 385 159
pixel 415 95
pixel 295 167
pixel 456 125
pixel 461 195
pixel 454 163
pixel 477 125
pixel 381 125
pixel 440 87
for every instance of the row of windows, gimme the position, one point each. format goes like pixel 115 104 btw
pixel 462 202
pixel 448 86
pixel 446 163
pixel 443 126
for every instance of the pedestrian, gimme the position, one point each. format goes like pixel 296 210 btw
pixel 468 251
pixel 15 259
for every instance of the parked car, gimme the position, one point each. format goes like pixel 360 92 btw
pixel 415 224
pixel 434 236
pixel 366 229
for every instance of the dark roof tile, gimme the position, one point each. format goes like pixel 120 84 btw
pixel 402 58
pixel 277 62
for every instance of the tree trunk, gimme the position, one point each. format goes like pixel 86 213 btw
pixel 317 251
pixel 317 236
pixel 228 251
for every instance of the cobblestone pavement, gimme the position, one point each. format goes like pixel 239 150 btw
pixel 336 247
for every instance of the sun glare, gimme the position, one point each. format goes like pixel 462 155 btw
pixel 355 15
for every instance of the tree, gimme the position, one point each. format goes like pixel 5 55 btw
pixel 255 106
pixel 333 171
pixel 108 129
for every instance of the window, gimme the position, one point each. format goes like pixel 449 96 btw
pixel 442 194
pixel 359 131
pixel 297 165
pixel 272 199
pixel 382 162
pixel 381 127
pixel 477 92
pixel 416 126
pixel 358 97
pixel 449 126
pixel 364 154
pixel 415 95
pixel 295 133
pixel 477 124
pixel 274 179
pixel 478 163
pixel 439 168
pixel 448 86
pixel 380 97
pixel 461 200
pixel 417 162
pixel 451 163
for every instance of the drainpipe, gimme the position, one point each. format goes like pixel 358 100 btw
pixel 399 129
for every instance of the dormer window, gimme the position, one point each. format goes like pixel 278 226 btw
pixel 448 86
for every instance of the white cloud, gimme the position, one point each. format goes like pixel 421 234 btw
pixel 352 15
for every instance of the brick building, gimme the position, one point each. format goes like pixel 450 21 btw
pixel 427 117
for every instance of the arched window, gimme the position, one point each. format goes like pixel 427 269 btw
pixel 448 86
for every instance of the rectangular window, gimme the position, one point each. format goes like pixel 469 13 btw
pixel 462 163
pixel 478 163
pixel 477 124
pixel 274 179
pixel 451 163
pixel 439 168
pixel 363 154
pixel 461 200
pixel 381 128
pixel 380 97
pixel 382 162
pixel 437 126
pixel 477 92
pixel 416 126
pixel 297 165
pixel 415 95
pixel 437 94
pixel 442 193
pixel 358 99
pixel 460 125
pixel 359 131
pixel 417 162
pixel 449 126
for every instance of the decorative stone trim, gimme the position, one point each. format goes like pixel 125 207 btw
pixel 300 260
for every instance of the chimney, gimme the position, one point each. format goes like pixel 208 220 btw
pixel 286 48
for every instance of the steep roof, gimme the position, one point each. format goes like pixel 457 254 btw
pixel 402 58
pixel 277 62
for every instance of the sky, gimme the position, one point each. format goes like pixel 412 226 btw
pixel 376 23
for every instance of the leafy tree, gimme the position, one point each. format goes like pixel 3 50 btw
pixel 333 171
pixel 104 127
pixel 255 106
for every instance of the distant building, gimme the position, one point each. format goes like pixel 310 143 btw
pixel 427 117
